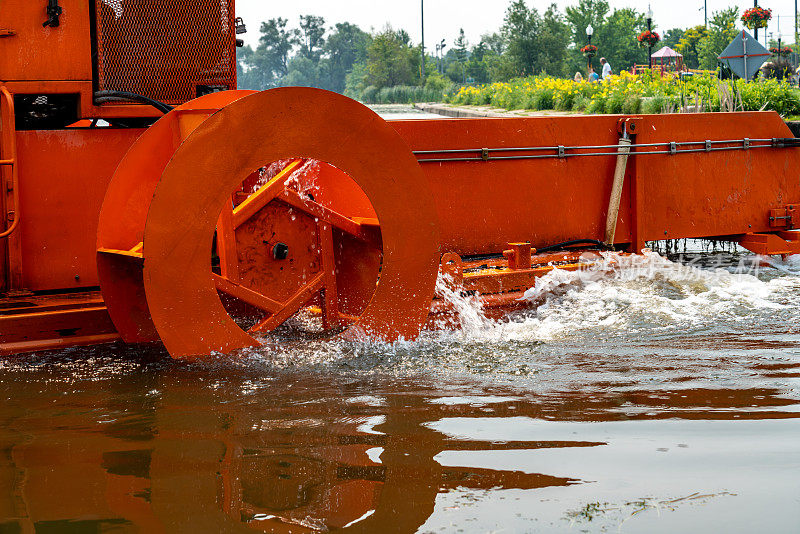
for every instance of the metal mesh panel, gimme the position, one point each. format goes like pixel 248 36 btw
pixel 163 49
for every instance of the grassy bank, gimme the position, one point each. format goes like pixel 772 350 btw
pixel 399 94
pixel 628 93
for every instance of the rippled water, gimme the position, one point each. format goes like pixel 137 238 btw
pixel 641 395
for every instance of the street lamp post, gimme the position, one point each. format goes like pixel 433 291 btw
pixel 589 33
pixel 422 23
pixel 755 4
pixel 649 46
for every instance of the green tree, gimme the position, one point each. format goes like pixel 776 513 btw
pixel 582 15
pixel 689 45
pixel 345 46
pixel 311 36
pixel 722 30
pixel 487 62
pixel 403 37
pixel 617 39
pixel 672 37
pixel 554 34
pixel 478 66
pixel 269 62
pixel 457 71
pixel 356 80
pixel 579 17
pixel 535 44
pixel 495 42
pixel 519 29
pixel 303 72
pixel 390 60
pixel 245 76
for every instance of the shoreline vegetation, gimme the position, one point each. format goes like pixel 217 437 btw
pixel 634 93
pixel 530 63
pixel 626 93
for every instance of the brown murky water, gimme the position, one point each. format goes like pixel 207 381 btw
pixel 657 398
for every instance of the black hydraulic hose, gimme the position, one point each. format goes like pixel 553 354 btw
pixel 115 96
pixel 565 244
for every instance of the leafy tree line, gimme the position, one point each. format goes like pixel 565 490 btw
pixel 700 46
pixel 310 55
pixel 345 58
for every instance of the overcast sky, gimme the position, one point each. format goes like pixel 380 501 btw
pixel 443 18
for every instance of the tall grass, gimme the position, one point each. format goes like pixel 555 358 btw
pixel 399 94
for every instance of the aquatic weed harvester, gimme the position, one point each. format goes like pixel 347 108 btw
pixel 145 199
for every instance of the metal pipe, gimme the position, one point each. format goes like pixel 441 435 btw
pixel 755 4
pixel 560 151
pixel 585 147
pixel 649 46
pixel 564 156
pixel 422 19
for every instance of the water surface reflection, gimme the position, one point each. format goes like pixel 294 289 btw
pixel 118 444
pixel 552 421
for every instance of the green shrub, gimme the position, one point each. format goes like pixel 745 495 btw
pixel 632 104
pixel 580 103
pixel 613 104
pixel 595 106
pixel 653 104
pixel 368 95
pixel 400 94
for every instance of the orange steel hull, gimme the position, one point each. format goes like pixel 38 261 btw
pixel 172 191
pixel 484 205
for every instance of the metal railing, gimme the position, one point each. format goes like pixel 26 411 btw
pixel 561 151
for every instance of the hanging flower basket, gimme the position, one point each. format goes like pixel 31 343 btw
pixel 756 17
pixel 648 38
pixel 781 52
pixel 589 51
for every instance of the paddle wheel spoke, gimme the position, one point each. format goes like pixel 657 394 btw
pixel 306 292
pixel 322 213
pixel 226 244
pixel 264 195
pixel 247 295
pixel 329 296
pixel 230 219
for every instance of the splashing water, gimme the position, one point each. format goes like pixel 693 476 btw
pixel 649 294
pixel 626 294
pixel 469 316
pixel 302 179
pixel 613 304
